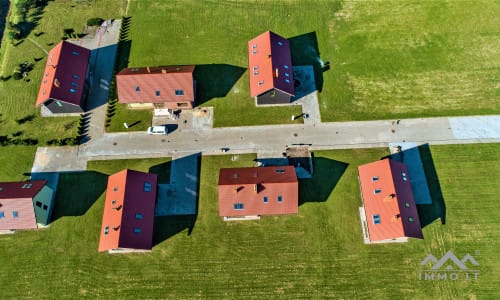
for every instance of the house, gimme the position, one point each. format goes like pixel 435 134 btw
pixel 389 213
pixel 127 222
pixel 256 191
pixel 63 88
pixel 167 87
pixel 270 65
pixel 24 205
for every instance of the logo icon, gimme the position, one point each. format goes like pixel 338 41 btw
pixel 447 261
pixel 449 267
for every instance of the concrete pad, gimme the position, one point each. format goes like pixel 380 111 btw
pixel 56 159
pixel 410 156
pixel 477 127
pixel 180 197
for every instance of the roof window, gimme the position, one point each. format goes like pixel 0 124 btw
pixel 106 230
pixel 375 178
pixel 285 66
pixel 74 84
pixel 58 103
pixel 137 230
pixel 410 219
pixel 179 92
pixel 266 199
pixel 238 206
pixel 72 90
pixel 407 204
pixel 15 214
pixel 287 81
pixel 147 187
pixel 139 216
pixel 157 93
pixel 287 75
pixel 75 53
pixel 27 186
pixel 280 43
pixel 261 83
pixel 280 199
pixel 137 89
pixel 2 215
pixel 280 171
pixel 376 219
pixel 377 191
pixel 254 46
pixel 75 76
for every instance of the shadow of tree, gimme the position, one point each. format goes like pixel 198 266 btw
pixel 4 9
pixel 215 80
pixel 428 213
pixel 77 191
pixel 305 51
pixel 33 18
pixel 327 173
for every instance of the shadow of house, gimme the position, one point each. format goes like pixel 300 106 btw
pixel 305 51
pixel 327 173
pixel 215 80
pixel 101 67
pixel 76 192
pixel 428 213
pixel 178 196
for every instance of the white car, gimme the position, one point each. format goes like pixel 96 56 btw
pixel 158 130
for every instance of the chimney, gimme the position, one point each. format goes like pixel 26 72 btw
pixel 396 217
pixel 276 72
pixel 256 188
pixel 389 197
pixel 163 71
pixel 149 71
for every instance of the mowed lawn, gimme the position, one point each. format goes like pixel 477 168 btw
pixel 387 59
pixel 318 253
pixel 18 97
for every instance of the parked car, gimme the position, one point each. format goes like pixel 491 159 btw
pixel 158 130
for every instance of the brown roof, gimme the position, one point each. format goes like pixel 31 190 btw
pixel 21 189
pixel 156 84
pixel 270 64
pixel 388 197
pixel 258 191
pixel 65 73
pixel 128 216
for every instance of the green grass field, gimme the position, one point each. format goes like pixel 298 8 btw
pixel 388 59
pixel 318 253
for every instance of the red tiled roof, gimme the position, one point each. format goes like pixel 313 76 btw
pixel 65 73
pixel 16 204
pixel 270 64
pixel 128 216
pixel 250 187
pixel 21 189
pixel 155 84
pixel 387 193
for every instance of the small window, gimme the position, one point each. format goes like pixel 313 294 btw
pixel 261 83
pixel 255 73
pixel 280 43
pixel 15 214
pixel 375 178
pixel 238 206
pixel 254 46
pixel 376 219
pixel 280 171
pixel 179 92
pixel 113 202
pixel 137 89
pixel 106 230
pixel 58 103
pixel 27 186
pixel 287 75
pixel 147 187
pixel 407 204
pixel 410 219
pixel 287 81
pixel 157 93
pixel 74 84
pixel 139 216
pixel 75 76
pixel 75 53
pixel 72 90
pixel 115 189
pixel 137 230
pixel 377 191
pixel 38 203
pixel 280 199
pixel 255 68
pixel 2 215
pixel 254 51
pixel 266 200
pixel 45 207
pixel 285 66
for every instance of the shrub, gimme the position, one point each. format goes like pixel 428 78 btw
pixel 94 21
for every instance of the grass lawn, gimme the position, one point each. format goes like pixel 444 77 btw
pixel 317 254
pixel 139 119
pixel 15 162
pixel 389 59
pixel 18 97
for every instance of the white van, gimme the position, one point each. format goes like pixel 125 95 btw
pixel 158 130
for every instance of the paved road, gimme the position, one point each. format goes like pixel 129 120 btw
pixel 341 135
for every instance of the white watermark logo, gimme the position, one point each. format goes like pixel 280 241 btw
pixel 449 267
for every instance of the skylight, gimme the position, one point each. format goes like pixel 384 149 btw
pixel 376 219
pixel 179 92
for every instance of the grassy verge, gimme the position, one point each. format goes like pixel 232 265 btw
pixel 317 254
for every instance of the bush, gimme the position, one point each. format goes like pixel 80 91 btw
pixel 94 21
